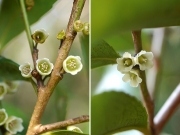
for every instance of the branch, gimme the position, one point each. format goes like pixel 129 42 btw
pixel 44 92
pixel 143 86
pixel 58 125
pixel 167 110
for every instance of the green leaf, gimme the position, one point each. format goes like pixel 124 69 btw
pixel 124 15
pixel 12 24
pixel 63 132
pixel 9 70
pixel 103 54
pixel 114 112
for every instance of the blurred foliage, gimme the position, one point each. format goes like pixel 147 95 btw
pixel 115 112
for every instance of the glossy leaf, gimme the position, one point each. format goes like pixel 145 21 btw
pixel 12 24
pixel 110 17
pixel 103 54
pixel 9 70
pixel 63 132
pixel 114 112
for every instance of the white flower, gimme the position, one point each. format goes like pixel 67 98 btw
pixel 3 90
pixel 74 128
pixel 125 63
pixel 12 86
pixel 72 64
pixel 133 77
pixel 14 124
pixel 3 116
pixel 39 36
pixel 144 60
pixel 26 70
pixel 44 66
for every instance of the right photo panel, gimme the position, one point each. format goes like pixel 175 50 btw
pixel 135 67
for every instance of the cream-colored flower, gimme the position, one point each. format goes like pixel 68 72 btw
pixel 133 77
pixel 78 26
pixel 3 116
pixel 39 36
pixel 125 63
pixel 72 64
pixel 144 60
pixel 44 66
pixel 3 90
pixel 26 70
pixel 74 128
pixel 14 125
pixel 12 86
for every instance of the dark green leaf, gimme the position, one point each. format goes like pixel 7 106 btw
pixel 9 70
pixel 63 132
pixel 103 54
pixel 109 17
pixel 114 112
pixel 12 24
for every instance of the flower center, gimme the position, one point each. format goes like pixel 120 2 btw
pixel 133 76
pixel 71 64
pixel 2 116
pixel 1 90
pixel 79 25
pixel 142 59
pixel 127 62
pixel 26 69
pixel 44 67
pixel 12 124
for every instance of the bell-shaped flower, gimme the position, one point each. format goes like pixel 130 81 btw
pixel 12 86
pixel 74 128
pixel 125 63
pixel 72 64
pixel 133 77
pixel 78 26
pixel 14 125
pixel 86 28
pixel 3 116
pixel 39 36
pixel 61 35
pixel 44 66
pixel 3 90
pixel 144 60
pixel 26 70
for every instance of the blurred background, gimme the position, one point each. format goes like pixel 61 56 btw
pixel 162 79
pixel 71 97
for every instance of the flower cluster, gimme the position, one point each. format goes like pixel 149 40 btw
pixel 12 124
pixel 125 65
pixel 80 26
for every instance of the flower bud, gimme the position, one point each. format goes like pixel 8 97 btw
pixel 61 35
pixel 26 70
pixel 144 60
pixel 133 77
pixel 74 128
pixel 40 36
pixel 125 63
pixel 44 66
pixel 14 124
pixel 86 28
pixel 78 26
pixel 3 116
pixel 72 64
pixel 3 90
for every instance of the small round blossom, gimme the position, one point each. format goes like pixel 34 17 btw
pixel 26 70
pixel 61 35
pixel 3 90
pixel 144 60
pixel 40 36
pixel 133 77
pixel 72 64
pixel 125 63
pixel 12 86
pixel 44 66
pixel 74 128
pixel 3 116
pixel 14 124
pixel 78 26
pixel 86 28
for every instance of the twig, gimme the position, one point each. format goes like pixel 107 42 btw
pixel 167 109
pixel 143 86
pixel 58 125
pixel 44 92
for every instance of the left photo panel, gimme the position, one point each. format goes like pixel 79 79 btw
pixel 44 67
